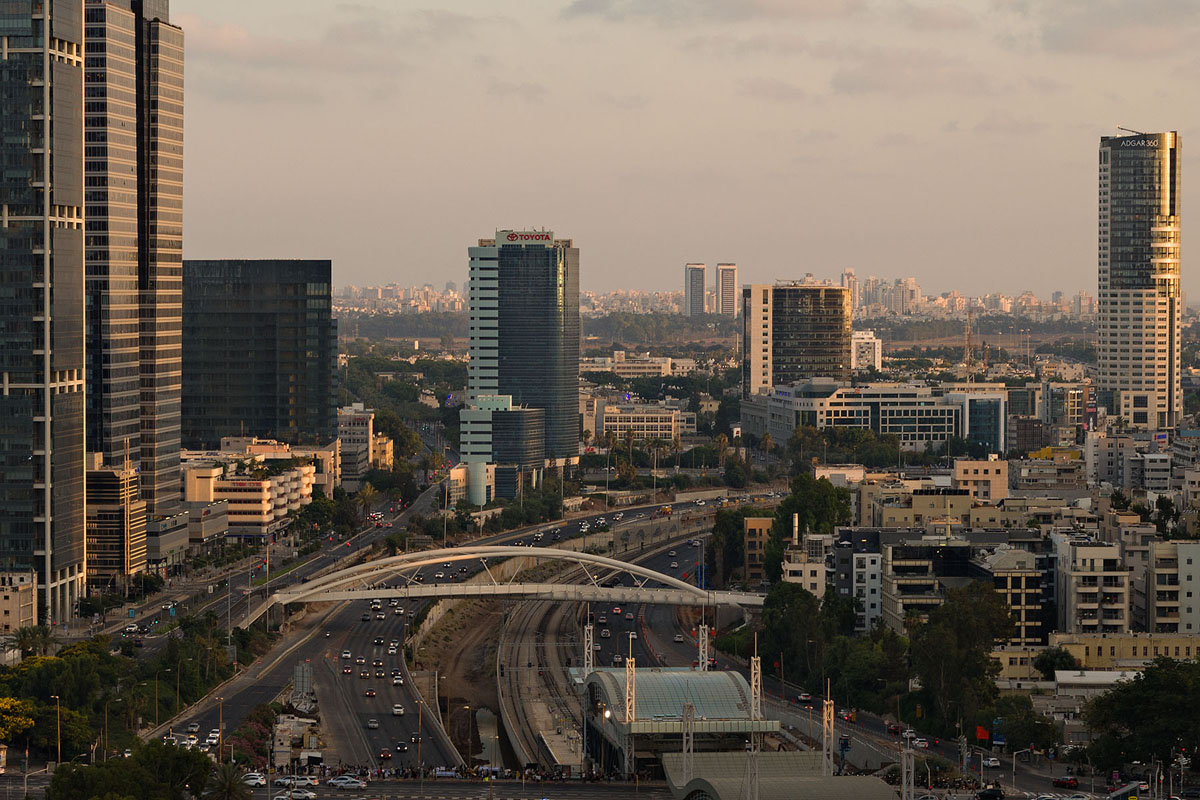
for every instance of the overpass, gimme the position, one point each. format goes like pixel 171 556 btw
pixel 362 581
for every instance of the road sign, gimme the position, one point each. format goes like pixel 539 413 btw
pixel 132 613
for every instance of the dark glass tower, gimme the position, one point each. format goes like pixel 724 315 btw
pixel 1139 306
pixel 538 336
pixel 259 352
pixel 134 164
pixel 41 299
pixel 792 331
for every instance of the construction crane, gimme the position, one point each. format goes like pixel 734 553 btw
pixel 1131 130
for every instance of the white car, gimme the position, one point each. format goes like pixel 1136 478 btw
pixel 679 638
pixel 674 565
pixel 397 710
pixel 345 782
pixel 297 794
pixel 991 762
pixel 347 654
pixel 254 779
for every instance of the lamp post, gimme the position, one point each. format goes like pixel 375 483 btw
pixel 1014 765
pixel 221 730
pixel 58 719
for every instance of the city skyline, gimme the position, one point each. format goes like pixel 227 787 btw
pixel 947 142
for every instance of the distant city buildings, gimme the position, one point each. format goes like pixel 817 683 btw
pixel 1140 305
pixel 694 288
pixel 792 331
pixel 524 368
pixel 259 351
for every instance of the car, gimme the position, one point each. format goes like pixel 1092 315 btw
pixel 920 744
pixel 346 782
pixel 297 794
pixel 909 734
pixel 674 565
pixel 392 651
pixel 254 779
pixel 596 647
pixel 804 699
pixel 127 753
pixel 397 612
pixel 369 693
pixel 415 738
pixel 378 641
pixel 439 575
pixel 401 747
pixel 364 674
pixel 671 553
pixel 679 638
pixel 1065 782
pixel 377 662
pixel 397 710
pixel 397 680
pixel 617 658
pixel 633 634
pixel 463 570
pixel 283 780
pixel 372 724
pixel 602 620
pixel 992 762
pixel 629 616
pixel 605 633
pixel 380 615
pixel 365 617
pixel 305 780
pixel 616 611
pixel 380 673
pixel 990 793
pixel 360 660
pixel 1046 797
pixel 193 727
pixel 385 753
pixel 347 670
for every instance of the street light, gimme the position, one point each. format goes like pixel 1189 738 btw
pixel 58 717
pixel 1014 765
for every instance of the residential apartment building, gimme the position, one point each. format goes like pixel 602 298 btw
pixel 18 600
pixel 356 432
pixel 986 480
pixel 866 352
pixel 793 331
pixel 915 576
pixel 1093 591
pixel 1015 576
pixel 260 496
pixel 756 532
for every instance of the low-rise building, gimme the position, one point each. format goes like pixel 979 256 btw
pixel 260 493
pixel 1050 475
pixel 986 480
pixel 645 422
pixel 756 532
pixel 18 600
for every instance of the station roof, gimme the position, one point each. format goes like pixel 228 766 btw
pixel 782 775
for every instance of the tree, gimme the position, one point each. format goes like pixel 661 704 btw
pixel 820 506
pixel 1145 718
pixel 587 438
pixel 366 496
pixel 952 652
pixel 16 717
pixel 1053 659
pixel 1118 500
pixel 227 784
pixel 1022 726
pixel 766 444
pixel 722 443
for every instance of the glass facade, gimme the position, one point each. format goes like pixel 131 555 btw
pixel 259 353
pixel 538 337
pixel 41 299
pixel 792 332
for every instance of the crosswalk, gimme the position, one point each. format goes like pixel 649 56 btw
pixel 1061 795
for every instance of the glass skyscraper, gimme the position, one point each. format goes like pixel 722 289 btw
pixel 1139 304
pixel 792 331
pixel 42 299
pixel 524 342
pixel 134 249
pixel 259 351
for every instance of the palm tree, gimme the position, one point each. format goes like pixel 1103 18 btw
pixel 677 445
pixel 722 442
pixel 24 639
pixel 587 438
pixel 629 444
pixel 226 784
pixel 656 446
pixel 766 446
pixel 366 496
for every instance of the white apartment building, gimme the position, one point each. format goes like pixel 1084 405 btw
pixel 356 431
pixel 866 351
pixel 812 575
pixel 260 495
pixel 645 422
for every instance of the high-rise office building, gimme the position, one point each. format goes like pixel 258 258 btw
pixel 1139 304
pixel 794 330
pixel 42 300
pixel 693 290
pixel 727 290
pixel 524 347
pixel 259 351
pixel 134 249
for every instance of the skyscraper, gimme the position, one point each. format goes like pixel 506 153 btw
pixel 693 290
pixel 259 351
pixel 42 300
pixel 727 290
pixel 1139 304
pixel 524 346
pixel 134 207
pixel 793 330
pixel 850 281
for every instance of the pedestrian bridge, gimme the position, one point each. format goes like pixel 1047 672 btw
pixel 365 581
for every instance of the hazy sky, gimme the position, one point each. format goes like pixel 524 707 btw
pixel 951 140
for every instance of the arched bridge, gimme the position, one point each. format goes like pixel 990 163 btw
pixel 361 580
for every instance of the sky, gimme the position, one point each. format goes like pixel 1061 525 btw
pixel 951 140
